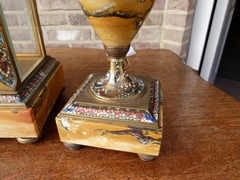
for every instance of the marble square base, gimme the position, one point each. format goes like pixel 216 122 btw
pixel 24 114
pixel 134 126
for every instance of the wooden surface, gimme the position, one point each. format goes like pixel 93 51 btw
pixel 201 135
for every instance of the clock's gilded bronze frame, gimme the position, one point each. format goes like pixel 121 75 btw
pixel 27 99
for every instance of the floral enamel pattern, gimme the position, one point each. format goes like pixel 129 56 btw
pixel 7 74
pixel 117 113
pixel 26 93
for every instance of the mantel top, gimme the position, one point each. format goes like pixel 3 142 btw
pixel 201 134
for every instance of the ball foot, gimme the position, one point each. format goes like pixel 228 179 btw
pixel 72 146
pixel 29 140
pixel 146 157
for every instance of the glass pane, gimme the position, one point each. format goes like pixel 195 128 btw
pixel 24 31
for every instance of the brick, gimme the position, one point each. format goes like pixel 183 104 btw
pixel 173 35
pixel 16 19
pixel 52 19
pixel 58 44
pixel 192 4
pixel 69 35
pixel 136 37
pixel 89 45
pixel 27 48
pixel 174 48
pixel 19 47
pixel 154 19
pixel 182 5
pixel 180 20
pixel 12 5
pixel 23 20
pixel 47 5
pixel 159 5
pixel 187 35
pixel 150 34
pixel 184 50
pixel 96 37
pixel 146 45
pixel 12 20
pixel 77 19
pixel 20 34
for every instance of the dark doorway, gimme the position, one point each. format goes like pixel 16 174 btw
pixel 230 62
pixel 228 75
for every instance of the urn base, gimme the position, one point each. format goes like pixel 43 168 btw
pixel 132 126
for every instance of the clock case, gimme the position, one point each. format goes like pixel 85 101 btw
pixel 30 81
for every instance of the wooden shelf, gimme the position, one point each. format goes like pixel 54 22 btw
pixel 201 137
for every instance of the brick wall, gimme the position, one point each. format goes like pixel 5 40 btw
pixel 168 26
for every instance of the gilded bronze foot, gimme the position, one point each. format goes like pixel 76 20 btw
pixel 72 146
pixel 146 157
pixel 29 140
